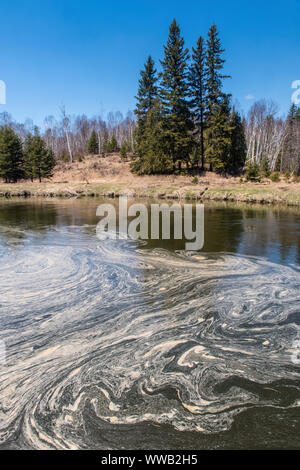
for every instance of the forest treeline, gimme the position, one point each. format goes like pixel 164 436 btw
pixel 183 122
pixel 186 120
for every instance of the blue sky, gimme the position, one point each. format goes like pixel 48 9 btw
pixel 87 54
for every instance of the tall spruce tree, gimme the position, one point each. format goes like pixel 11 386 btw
pixel 217 125
pixel 147 91
pixel 238 146
pixel 174 93
pixel 218 137
pixel 197 81
pixel 146 99
pixel 213 70
pixel 152 157
pixel 11 157
pixel 39 160
pixel 93 143
pixel 148 125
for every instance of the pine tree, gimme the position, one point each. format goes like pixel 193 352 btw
pixel 174 92
pixel 39 160
pixel 216 101
pixel 198 95
pixel 105 140
pixel 147 92
pixel 291 151
pixel 124 149
pixel 11 157
pixel 152 157
pixel 93 144
pixel 213 66
pixel 112 145
pixel 146 99
pixel 238 146
pixel 218 137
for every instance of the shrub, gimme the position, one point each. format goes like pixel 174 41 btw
pixel 65 157
pixel 266 168
pixel 80 158
pixel 195 180
pixel 252 172
pixel 275 176
pixel 125 148
pixel 287 175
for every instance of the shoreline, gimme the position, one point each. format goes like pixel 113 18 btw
pixel 259 193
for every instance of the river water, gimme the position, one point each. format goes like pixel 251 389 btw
pixel 121 344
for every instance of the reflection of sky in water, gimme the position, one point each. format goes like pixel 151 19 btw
pixel 108 341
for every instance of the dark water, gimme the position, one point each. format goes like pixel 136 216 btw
pixel 128 345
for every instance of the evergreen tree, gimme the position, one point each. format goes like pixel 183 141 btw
pixel 198 95
pixel 125 148
pixel 147 92
pixel 174 98
pixel 213 66
pixel 266 171
pixel 238 146
pixel 11 157
pixel 146 99
pixel 112 145
pixel 105 140
pixel 152 158
pixel 39 160
pixel 216 102
pixel 93 144
pixel 218 138
pixel 290 158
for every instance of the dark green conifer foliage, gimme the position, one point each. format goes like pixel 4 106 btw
pixel 146 100
pixel 252 171
pixel 213 71
pixel 238 146
pixel 112 145
pixel 197 82
pixel 266 171
pixel 218 137
pixel 39 160
pixel 291 151
pixel 152 157
pixel 216 102
pixel 11 157
pixel 93 144
pixel 174 93
pixel 147 91
pixel 125 148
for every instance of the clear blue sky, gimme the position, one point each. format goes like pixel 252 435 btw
pixel 87 54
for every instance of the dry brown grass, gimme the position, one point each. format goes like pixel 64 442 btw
pixel 97 169
pixel 109 176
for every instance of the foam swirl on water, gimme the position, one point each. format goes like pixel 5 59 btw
pixel 101 335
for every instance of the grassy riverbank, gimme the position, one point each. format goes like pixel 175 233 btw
pixel 273 193
pixel 111 177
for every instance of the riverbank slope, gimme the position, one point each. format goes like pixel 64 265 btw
pixel 111 177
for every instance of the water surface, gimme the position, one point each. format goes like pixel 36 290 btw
pixel 127 345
